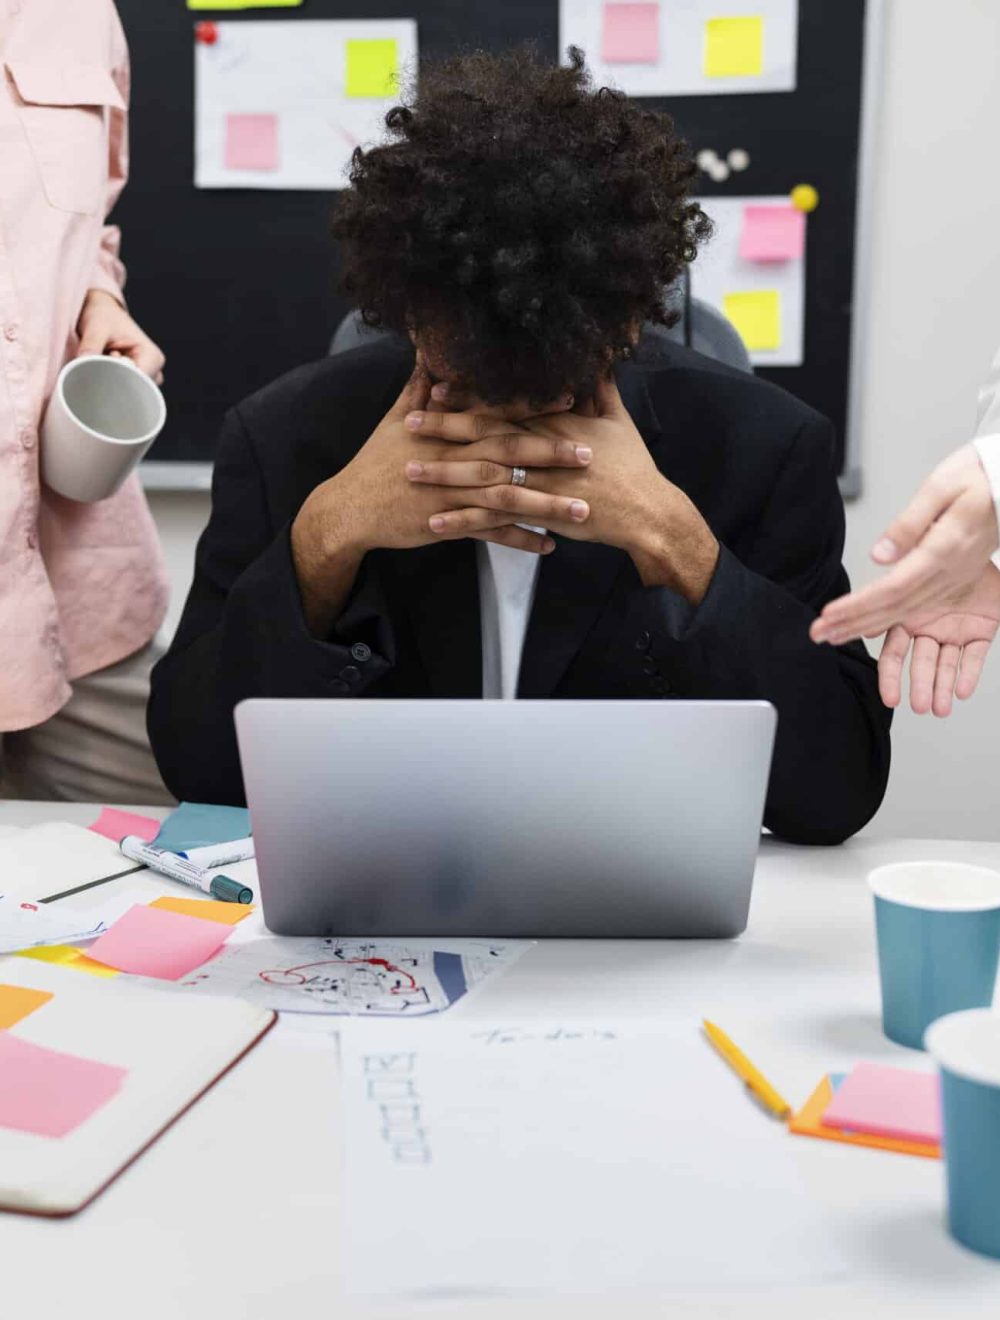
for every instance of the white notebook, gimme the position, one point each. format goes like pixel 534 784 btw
pixel 173 1046
pixel 45 860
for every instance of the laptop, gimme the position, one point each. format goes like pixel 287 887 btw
pixel 506 818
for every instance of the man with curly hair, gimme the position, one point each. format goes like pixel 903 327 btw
pixel 497 501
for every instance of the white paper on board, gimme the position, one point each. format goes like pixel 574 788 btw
pixel 570 1158
pixel 293 70
pixel 679 70
pixel 719 269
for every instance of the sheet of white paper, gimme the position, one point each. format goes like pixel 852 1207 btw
pixel 719 270
pixel 49 859
pixel 406 977
pixel 26 925
pixel 564 1158
pixel 294 70
pixel 680 69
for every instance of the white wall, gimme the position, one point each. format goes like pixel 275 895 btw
pixel 933 324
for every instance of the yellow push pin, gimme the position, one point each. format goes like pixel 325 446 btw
pixel 805 197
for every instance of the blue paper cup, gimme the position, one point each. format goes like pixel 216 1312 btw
pixel 966 1047
pixel 938 927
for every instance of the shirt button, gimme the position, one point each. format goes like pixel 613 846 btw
pixel 644 641
pixel 10 331
pixel 339 687
pixel 658 685
pixel 648 665
pixel 27 437
pixel 361 652
pixel 32 540
pixel 350 673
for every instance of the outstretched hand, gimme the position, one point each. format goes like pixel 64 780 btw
pixel 947 649
pixel 939 545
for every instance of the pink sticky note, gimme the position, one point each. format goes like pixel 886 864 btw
pixel 888 1102
pixel 251 142
pixel 115 824
pixel 150 941
pixel 772 233
pixel 50 1093
pixel 630 34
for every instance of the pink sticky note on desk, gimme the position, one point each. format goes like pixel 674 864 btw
pixel 772 233
pixel 50 1093
pixel 630 34
pixel 150 941
pixel 251 142
pixel 115 824
pixel 888 1102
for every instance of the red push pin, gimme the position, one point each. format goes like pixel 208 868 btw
pixel 206 33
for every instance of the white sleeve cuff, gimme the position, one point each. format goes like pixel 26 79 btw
pixel 988 448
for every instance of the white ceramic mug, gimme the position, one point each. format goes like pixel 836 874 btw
pixel 103 416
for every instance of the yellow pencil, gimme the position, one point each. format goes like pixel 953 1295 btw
pixel 754 1080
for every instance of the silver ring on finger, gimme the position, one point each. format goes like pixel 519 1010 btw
pixel 518 476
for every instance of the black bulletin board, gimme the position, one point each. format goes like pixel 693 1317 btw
pixel 239 286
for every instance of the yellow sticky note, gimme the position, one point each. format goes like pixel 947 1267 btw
pixel 734 47
pixel 68 956
pixel 372 67
pixel 209 909
pixel 243 4
pixel 17 1001
pixel 757 316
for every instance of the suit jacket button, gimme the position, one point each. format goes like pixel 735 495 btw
pixel 644 641
pixel 350 673
pixel 339 687
pixel 361 652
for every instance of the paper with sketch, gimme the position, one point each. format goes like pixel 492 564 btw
pixel 553 1157
pixel 685 47
pixel 370 978
pixel 25 925
pixel 768 297
pixel 284 104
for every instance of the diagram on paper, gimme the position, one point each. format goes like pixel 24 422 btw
pixel 367 978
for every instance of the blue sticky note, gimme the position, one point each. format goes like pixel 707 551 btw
pixel 837 1081
pixel 200 824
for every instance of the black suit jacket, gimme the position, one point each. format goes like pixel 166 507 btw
pixel 757 463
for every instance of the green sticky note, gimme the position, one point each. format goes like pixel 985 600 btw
pixel 734 47
pixel 243 4
pixel 757 316
pixel 372 67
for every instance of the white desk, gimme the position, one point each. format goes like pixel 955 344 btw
pixel 234 1213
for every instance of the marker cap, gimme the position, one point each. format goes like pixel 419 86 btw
pixel 230 891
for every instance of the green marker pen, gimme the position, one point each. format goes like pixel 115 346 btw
pixel 164 862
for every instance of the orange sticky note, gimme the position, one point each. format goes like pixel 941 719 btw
pixel 209 909
pixel 17 1001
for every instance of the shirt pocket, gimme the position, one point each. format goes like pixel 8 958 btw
pixel 64 112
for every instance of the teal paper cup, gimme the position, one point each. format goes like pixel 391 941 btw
pixel 938 928
pixel 966 1047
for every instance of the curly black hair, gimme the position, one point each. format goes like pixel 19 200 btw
pixel 519 222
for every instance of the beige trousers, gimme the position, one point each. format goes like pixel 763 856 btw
pixel 93 750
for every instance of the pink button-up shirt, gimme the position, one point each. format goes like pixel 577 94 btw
pixel 81 585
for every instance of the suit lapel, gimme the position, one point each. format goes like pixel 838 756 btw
pixel 574 583
pixel 441 590
pixel 576 580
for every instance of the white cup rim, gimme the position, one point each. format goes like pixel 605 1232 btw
pixel 967 1044
pixel 886 882
pixel 125 365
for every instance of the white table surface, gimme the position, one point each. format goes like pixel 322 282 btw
pixel 234 1214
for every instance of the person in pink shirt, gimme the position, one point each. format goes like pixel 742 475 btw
pixel 83 587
